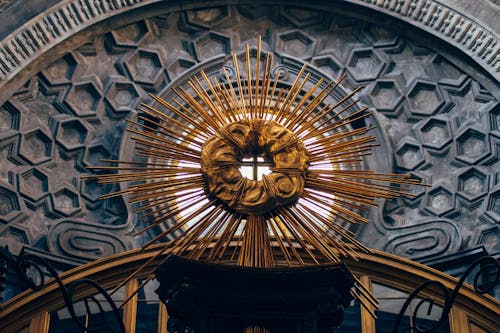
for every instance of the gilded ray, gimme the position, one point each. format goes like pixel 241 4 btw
pixel 192 145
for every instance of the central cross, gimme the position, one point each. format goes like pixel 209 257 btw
pixel 254 167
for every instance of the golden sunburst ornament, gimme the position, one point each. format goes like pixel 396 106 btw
pixel 195 144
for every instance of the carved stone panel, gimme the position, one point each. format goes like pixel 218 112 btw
pixel 433 121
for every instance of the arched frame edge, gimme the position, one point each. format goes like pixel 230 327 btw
pixel 391 270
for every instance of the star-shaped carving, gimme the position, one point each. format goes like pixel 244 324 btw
pixel 409 64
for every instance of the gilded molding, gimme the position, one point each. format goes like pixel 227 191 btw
pixel 68 17
pixel 383 268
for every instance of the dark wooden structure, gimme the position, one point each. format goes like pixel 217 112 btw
pixel 209 298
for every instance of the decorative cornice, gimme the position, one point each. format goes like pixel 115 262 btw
pixel 53 26
pixel 447 23
pixel 68 17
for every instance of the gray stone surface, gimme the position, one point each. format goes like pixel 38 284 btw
pixel 485 11
pixel 25 48
pixel 434 121
pixel 14 13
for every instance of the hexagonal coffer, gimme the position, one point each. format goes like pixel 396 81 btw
pixel 425 98
pixel 60 71
pixel 84 99
pixel 9 117
pixel 365 64
pixel 493 205
pixel 9 204
pixel 301 17
pixel 472 184
pixel 472 146
pixel 385 95
pixel 95 154
pixel 71 134
pixel 34 184
pixel 36 147
pixel 145 67
pixel 130 35
pixel 211 45
pixel 440 201
pixel 296 43
pixel 66 202
pixel 203 18
pixel 436 133
pixel 409 156
pixel 122 97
